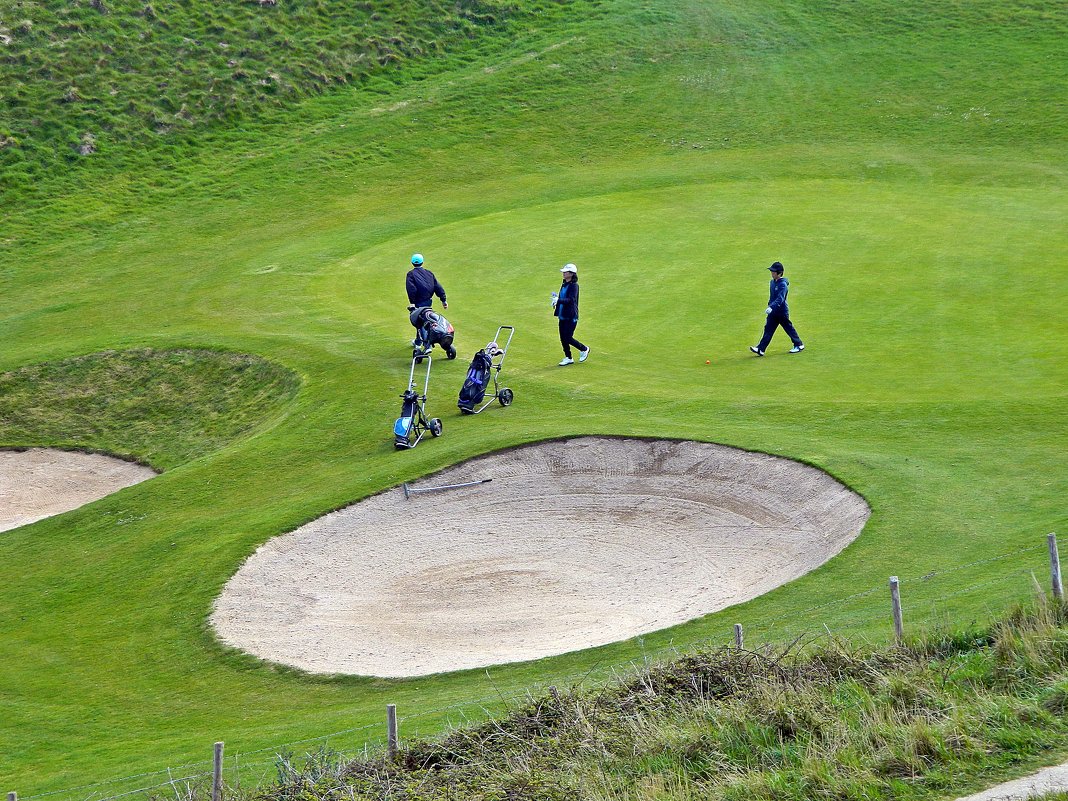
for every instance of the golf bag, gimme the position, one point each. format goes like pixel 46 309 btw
pixel 409 414
pixel 474 389
pixel 433 329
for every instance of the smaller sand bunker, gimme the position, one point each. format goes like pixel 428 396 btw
pixel 574 544
pixel 41 482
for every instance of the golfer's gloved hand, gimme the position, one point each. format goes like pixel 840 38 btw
pixel 446 305
pixel 767 310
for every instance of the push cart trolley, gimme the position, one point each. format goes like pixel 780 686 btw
pixel 413 423
pixel 487 363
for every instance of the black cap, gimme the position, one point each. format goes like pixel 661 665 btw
pixel 776 267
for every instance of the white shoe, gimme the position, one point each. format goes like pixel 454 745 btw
pixel 565 362
pixel 756 350
pixel 584 355
pixel 797 348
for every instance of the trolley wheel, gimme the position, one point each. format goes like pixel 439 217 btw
pixel 435 426
pixel 418 359
pixel 451 352
pixel 504 397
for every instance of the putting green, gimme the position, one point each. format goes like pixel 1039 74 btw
pixel 900 291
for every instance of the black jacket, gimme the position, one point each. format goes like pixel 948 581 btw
pixel 567 303
pixel 422 286
pixel 777 298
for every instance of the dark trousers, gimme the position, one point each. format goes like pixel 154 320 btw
pixel 567 336
pixel 775 319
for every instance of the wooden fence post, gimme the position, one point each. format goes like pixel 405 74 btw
pixel 1055 567
pixel 895 599
pixel 217 774
pixel 739 636
pixel 392 740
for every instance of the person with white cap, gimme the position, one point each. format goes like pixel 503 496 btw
pixel 566 310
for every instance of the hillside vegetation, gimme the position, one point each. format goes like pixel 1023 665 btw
pixel 950 712
pixel 83 78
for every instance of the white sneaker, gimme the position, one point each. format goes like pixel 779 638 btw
pixel 756 350
pixel 797 348
pixel 584 355
pixel 565 362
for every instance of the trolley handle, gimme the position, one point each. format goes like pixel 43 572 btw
pixel 497 338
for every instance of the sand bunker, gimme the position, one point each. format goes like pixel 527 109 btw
pixel 40 482
pixel 574 544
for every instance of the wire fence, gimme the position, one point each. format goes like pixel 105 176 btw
pixel 934 599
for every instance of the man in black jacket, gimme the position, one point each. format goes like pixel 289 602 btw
pixel 422 285
pixel 778 314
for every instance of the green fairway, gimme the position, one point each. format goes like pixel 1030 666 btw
pixel 907 164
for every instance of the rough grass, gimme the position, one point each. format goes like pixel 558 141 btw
pixel 944 714
pixel 94 77
pixel 161 407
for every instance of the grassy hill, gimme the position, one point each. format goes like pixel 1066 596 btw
pixel 95 77
pixel 905 161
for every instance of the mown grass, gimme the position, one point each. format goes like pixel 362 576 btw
pixel 161 407
pixel 673 150
pixel 948 712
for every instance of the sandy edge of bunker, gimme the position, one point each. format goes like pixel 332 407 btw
pixel 575 543
pixel 36 483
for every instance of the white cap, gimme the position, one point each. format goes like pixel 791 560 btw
pixel 569 268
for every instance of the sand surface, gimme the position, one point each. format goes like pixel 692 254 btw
pixel 574 544
pixel 41 482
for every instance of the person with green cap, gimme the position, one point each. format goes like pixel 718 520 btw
pixel 778 314
pixel 421 286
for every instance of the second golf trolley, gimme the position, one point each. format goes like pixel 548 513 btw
pixel 413 423
pixel 487 363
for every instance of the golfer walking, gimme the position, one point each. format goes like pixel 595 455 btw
pixel 778 314
pixel 566 309
pixel 422 285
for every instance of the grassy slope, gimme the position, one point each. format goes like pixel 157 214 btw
pixel 944 713
pixel 841 139
pixel 162 407
pixel 100 75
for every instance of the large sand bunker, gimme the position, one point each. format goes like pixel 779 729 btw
pixel 575 543
pixel 41 482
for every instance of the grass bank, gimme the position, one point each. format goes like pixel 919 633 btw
pixel 947 713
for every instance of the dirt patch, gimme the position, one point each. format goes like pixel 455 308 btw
pixel 41 482
pixel 1037 785
pixel 574 544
